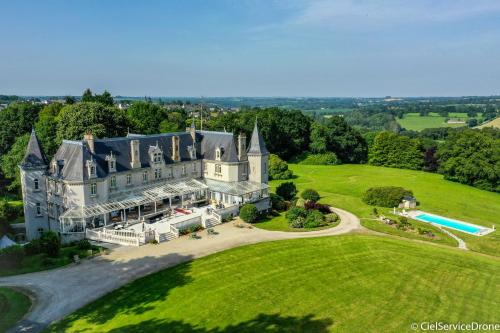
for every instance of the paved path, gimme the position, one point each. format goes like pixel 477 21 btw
pixel 59 292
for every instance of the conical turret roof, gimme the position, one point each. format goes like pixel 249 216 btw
pixel 34 156
pixel 257 145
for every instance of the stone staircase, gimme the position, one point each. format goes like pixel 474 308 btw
pixel 166 236
pixel 211 222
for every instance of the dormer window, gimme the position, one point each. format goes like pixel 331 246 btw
pixel 91 167
pixel 155 154
pixel 111 158
pixel 218 153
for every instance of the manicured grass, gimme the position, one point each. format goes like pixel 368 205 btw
pixel 413 121
pixel 343 186
pixel 13 306
pixel 280 223
pixel 352 283
pixel 41 262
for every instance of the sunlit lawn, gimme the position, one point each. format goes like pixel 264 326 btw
pixel 13 306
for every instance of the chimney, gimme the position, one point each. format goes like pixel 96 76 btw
pixel 135 157
pixel 89 138
pixel 242 147
pixel 175 149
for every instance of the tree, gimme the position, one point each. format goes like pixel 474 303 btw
pixel 87 96
pixel 46 128
pixel 69 100
pixel 145 117
pixel 310 194
pixel 472 122
pixel 10 161
pixel 16 120
pixel 396 151
pixel 286 190
pixel 105 98
pixel 278 169
pixel 471 157
pixel 50 243
pixel 385 196
pixel 103 121
pixel 338 137
pixel 249 213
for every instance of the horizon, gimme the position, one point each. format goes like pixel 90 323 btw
pixel 252 48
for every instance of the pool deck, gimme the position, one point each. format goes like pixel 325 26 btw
pixel 483 230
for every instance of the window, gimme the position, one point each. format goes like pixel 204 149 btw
pixel 217 154
pixel 205 168
pixel 113 181
pixel 36 184
pixel 129 179
pixel 157 157
pixel 218 169
pixel 194 167
pixel 183 170
pixel 157 173
pixel 93 189
pixel 38 209
pixel 111 165
pixel 244 169
pixel 265 167
pixel 92 170
pixel 145 176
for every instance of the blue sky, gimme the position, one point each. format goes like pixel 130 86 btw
pixel 251 47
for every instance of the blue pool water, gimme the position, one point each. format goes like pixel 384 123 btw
pixel 448 223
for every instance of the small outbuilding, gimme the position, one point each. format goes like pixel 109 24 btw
pixel 408 202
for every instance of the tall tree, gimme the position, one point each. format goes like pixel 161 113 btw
pixel 16 120
pixel 9 162
pixel 103 121
pixel 396 151
pixel 472 157
pixel 46 128
pixel 87 96
pixel 146 117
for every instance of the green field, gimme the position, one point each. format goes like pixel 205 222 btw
pixel 352 283
pixel 13 306
pixel 342 186
pixel 413 121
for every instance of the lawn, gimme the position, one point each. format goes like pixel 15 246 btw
pixel 351 283
pixel 280 223
pixel 41 262
pixel 342 186
pixel 13 306
pixel 413 121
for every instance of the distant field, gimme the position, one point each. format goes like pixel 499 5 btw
pixel 329 110
pixel 343 186
pixel 493 123
pixel 413 121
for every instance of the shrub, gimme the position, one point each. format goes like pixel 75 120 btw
pixel 294 213
pixel 278 169
pixel 12 256
pixel 300 203
pixel 286 190
pixel 249 213
pixel 83 245
pixel 277 202
pixel 331 218
pixel 328 158
pixel 32 248
pixel 386 196
pixel 50 243
pixel 310 205
pixel 314 219
pixel 298 222
pixel 310 194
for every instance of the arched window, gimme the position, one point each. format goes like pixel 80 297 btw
pixel 36 184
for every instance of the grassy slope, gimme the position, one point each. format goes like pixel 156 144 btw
pixel 349 283
pixel 494 123
pixel 413 121
pixel 13 306
pixel 343 186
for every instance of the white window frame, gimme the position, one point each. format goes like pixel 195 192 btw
pixel 145 177
pixel 93 189
pixel 38 209
pixel 129 179
pixel 112 182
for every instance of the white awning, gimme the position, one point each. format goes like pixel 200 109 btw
pixel 136 197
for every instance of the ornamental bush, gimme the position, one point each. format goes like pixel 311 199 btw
pixel 314 219
pixel 310 194
pixel 331 218
pixel 277 202
pixel 12 256
pixel 286 190
pixel 328 158
pixel 50 243
pixel 249 213
pixel 294 213
pixel 278 169
pixel 83 245
pixel 386 196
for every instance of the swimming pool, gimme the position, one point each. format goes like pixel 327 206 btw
pixel 453 224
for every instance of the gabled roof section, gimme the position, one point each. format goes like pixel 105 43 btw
pixel 34 157
pixel 257 145
pixel 211 140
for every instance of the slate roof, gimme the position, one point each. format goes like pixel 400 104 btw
pixel 34 157
pixel 72 155
pixel 257 145
pixel 210 140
